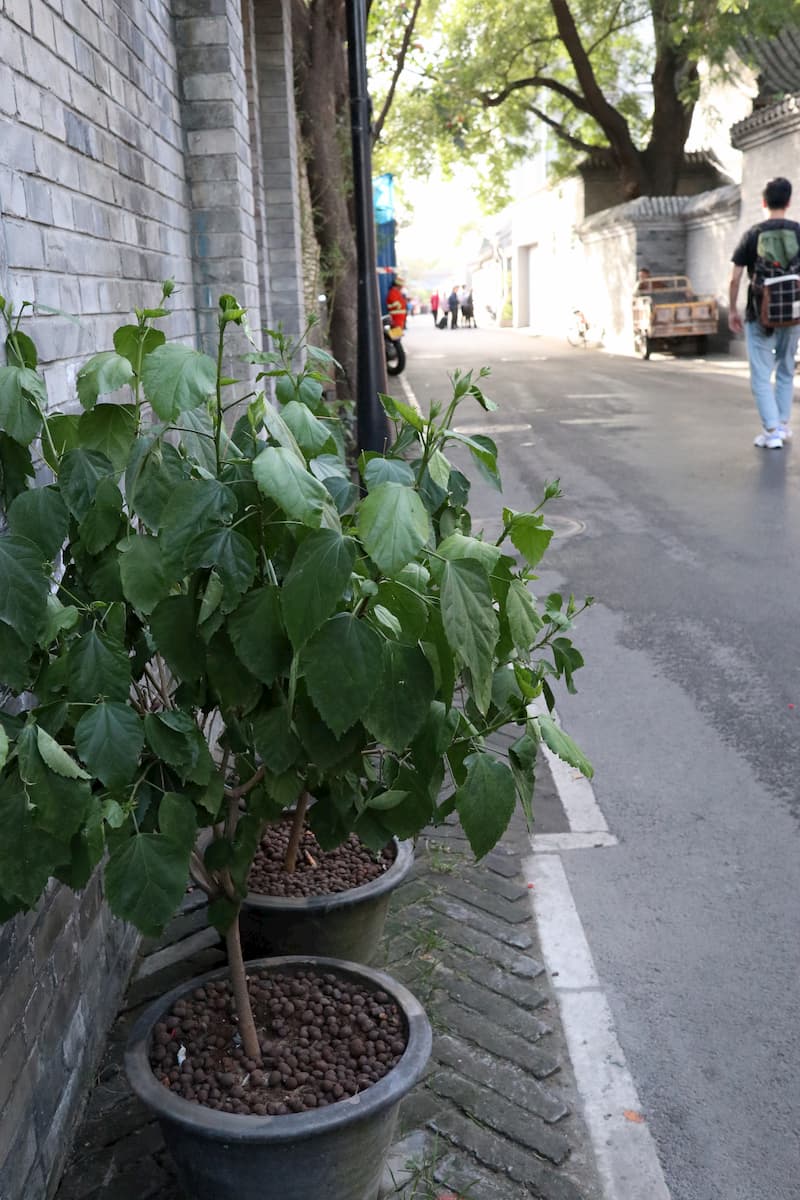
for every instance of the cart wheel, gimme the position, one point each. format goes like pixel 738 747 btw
pixel 642 345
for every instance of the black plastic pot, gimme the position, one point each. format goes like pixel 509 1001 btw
pixel 335 1153
pixel 346 925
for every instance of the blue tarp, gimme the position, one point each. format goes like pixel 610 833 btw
pixel 385 226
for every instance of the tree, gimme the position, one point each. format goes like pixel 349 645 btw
pixel 617 75
pixel 323 102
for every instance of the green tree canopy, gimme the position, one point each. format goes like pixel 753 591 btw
pixel 487 80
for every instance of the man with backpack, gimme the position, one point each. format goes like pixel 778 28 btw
pixel 770 251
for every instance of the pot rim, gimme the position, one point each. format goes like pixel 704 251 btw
pixel 387 882
pixel 235 1127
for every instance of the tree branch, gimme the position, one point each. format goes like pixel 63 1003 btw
pixel 408 33
pixel 237 792
pixel 493 99
pixel 561 131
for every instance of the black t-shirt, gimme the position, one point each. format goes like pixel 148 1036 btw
pixel 745 254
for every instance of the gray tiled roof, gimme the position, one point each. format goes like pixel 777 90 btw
pixel 778 64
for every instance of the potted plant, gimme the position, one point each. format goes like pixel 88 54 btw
pixel 209 624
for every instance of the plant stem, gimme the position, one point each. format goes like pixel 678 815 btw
pixel 218 413
pixel 241 996
pixel 290 862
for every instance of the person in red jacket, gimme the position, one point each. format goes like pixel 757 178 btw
pixel 435 307
pixel 396 304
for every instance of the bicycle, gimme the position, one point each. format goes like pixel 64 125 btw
pixel 581 333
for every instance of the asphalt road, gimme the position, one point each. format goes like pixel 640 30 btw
pixel 688 707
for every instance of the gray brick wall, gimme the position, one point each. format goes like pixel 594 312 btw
pixel 64 968
pixel 131 150
pixel 93 186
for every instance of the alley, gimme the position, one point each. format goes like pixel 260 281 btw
pixel 689 538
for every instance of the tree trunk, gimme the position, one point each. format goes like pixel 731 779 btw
pixel 324 111
pixel 672 119
pixel 241 996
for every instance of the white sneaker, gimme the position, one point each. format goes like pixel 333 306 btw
pixel 785 432
pixel 770 439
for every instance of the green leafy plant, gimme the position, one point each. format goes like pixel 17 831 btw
pixel 208 621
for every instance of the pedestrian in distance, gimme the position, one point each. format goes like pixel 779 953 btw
pixel 435 307
pixel 468 311
pixel 396 304
pixel 770 248
pixel 452 305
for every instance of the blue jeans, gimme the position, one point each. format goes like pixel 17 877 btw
pixel 767 353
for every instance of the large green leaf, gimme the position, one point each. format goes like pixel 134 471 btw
pixel 131 340
pixel 400 704
pixel 56 757
pixel 341 664
pixel 81 472
pixel 258 635
pixel 101 523
pixel 484 455
pixel 197 437
pixel 470 623
pixel 177 819
pixel 24 587
pixel 155 470
pixel 312 435
pixel 175 737
pixel 62 431
pixel 29 856
pixel 398 410
pixel 144 577
pixel 285 479
pixel 145 880
pixel 173 624
pixel 320 745
pixel 104 373
pixel 17 665
pixel 523 619
pixel 235 688
pixel 99 666
pixel 230 554
pixel 60 617
pixel 61 803
pixel 405 604
pixel 529 536
pixel 313 587
pixel 40 515
pixel 562 744
pixel 16 468
pixel 111 429
pixel 176 378
pixel 458 546
pixel 393 525
pixel 195 506
pixel 21 389
pixel 485 802
pixel 21 350
pixel 387 470
pixel 273 739
pixel 109 738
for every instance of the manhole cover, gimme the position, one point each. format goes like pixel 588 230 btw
pixel 563 527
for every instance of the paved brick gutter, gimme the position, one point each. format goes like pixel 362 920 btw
pixel 497 1116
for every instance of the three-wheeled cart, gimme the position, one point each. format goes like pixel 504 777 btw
pixel 666 311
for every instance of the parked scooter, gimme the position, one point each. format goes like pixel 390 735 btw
pixel 393 347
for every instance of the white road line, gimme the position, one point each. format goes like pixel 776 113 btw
pixel 624 1149
pixel 408 392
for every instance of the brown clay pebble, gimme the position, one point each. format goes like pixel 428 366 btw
pixel 311 1056
pixel 318 872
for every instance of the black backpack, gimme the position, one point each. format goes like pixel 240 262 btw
pixel 776 278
